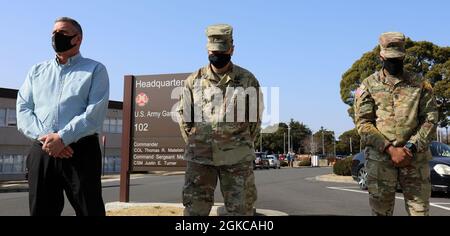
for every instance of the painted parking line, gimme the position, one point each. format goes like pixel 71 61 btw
pixel 347 189
pixel 437 205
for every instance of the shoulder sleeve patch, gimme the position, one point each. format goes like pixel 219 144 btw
pixel 360 91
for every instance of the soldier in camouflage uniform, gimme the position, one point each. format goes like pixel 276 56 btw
pixel 220 135
pixel 396 116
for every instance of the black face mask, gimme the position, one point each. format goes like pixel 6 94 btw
pixel 219 60
pixel 61 42
pixel 393 66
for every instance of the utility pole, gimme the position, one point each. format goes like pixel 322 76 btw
pixel 334 143
pixel 104 154
pixel 360 145
pixel 323 142
pixel 284 143
pixel 351 146
pixel 260 141
pixel 312 143
pixel 289 138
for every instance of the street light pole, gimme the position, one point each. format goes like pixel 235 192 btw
pixel 334 143
pixel 260 142
pixel 284 143
pixel 104 154
pixel 323 143
pixel 289 138
pixel 351 146
pixel 360 145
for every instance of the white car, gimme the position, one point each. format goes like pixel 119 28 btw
pixel 273 162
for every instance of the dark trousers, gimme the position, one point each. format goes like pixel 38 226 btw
pixel 79 177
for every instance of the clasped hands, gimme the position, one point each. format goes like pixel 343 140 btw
pixel 54 146
pixel 400 156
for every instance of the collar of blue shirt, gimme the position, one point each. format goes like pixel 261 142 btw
pixel 73 60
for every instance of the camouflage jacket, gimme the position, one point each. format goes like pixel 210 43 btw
pixel 215 133
pixel 390 110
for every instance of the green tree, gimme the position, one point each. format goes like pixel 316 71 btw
pixel 299 132
pixel 426 58
pixel 343 145
pixel 273 141
pixel 328 142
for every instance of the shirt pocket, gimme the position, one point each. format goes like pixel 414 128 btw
pixel 408 95
pixel 78 84
pixel 200 140
pixel 382 97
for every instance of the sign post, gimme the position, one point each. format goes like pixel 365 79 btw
pixel 151 139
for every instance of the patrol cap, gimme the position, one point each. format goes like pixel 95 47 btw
pixel 392 45
pixel 220 37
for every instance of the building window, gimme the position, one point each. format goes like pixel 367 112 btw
pixel 7 165
pixel 117 164
pixel 13 164
pixel 11 120
pixel 2 117
pixel 106 126
pixel 119 126
pixel 18 164
pixel 112 125
pixel 111 164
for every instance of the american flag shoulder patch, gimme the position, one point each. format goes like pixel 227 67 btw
pixel 360 91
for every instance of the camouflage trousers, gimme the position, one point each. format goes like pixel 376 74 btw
pixel 237 184
pixel 383 179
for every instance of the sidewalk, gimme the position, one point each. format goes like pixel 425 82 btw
pixel 22 185
pixel 334 178
pixel 169 209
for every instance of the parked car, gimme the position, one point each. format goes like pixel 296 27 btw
pixel 261 161
pixel 283 160
pixel 273 162
pixel 439 168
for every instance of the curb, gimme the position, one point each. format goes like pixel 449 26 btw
pixel 13 186
pixel 333 178
pixel 167 173
pixel 216 210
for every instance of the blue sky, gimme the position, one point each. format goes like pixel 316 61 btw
pixel 303 47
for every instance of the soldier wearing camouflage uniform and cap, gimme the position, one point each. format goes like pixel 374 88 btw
pixel 217 148
pixel 396 116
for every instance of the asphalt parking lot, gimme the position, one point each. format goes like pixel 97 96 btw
pixel 290 190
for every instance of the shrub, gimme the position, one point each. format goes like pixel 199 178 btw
pixel 305 158
pixel 305 163
pixel 331 160
pixel 343 167
pixel 283 163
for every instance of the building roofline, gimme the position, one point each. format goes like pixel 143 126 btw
pixel 8 93
pixel 12 94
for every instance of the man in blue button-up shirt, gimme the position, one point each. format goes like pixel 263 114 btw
pixel 61 106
